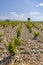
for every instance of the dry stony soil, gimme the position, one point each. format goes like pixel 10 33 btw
pixel 30 51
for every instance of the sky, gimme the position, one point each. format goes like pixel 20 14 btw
pixel 21 10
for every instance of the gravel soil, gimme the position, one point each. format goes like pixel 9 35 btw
pixel 30 51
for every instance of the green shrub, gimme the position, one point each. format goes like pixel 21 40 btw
pixel 36 26
pixel 17 41
pixel 12 47
pixel 41 29
pixel 19 31
pixel 0 39
pixel 29 26
pixel 0 34
pixel 36 34
pixel 30 30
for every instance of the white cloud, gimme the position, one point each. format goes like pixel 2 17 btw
pixel 34 13
pixel 12 13
pixel 15 16
pixel 41 4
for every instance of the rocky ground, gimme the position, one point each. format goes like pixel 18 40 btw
pixel 8 34
pixel 30 52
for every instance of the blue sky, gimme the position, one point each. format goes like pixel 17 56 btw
pixel 21 9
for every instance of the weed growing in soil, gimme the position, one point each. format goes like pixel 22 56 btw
pixel 12 47
pixel 41 29
pixel 37 27
pixel 29 26
pixel 19 31
pixel 0 34
pixel 17 41
pixel 36 34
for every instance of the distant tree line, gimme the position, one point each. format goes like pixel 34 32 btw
pixel 27 19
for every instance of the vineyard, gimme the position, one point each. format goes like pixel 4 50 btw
pixel 21 43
